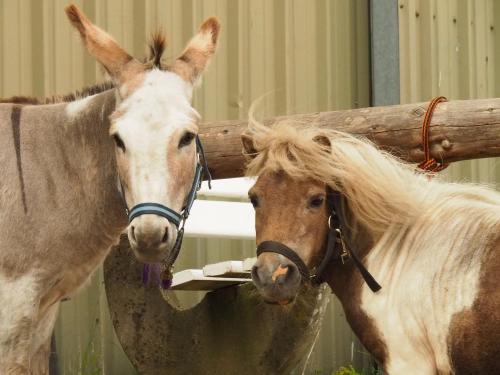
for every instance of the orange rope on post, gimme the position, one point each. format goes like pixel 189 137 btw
pixel 430 164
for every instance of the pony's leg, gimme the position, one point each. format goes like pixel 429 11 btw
pixel 18 309
pixel 41 342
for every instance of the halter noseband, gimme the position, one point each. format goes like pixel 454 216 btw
pixel 176 218
pixel 334 241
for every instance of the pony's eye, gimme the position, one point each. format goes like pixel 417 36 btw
pixel 119 142
pixel 186 139
pixel 254 200
pixel 316 201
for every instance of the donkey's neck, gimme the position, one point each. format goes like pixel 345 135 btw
pixel 94 160
pixel 69 180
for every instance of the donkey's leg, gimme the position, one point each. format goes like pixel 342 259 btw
pixel 18 309
pixel 41 341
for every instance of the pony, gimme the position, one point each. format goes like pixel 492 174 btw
pixel 414 262
pixel 70 167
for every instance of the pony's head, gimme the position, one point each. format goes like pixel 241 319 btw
pixel 300 170
pixel 290 205
pixel 154 128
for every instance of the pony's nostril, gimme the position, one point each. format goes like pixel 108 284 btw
pixel 165 235
pixel 132 233
pixel 280 274
pixel 255 274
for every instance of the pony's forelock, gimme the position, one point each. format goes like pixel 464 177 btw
pixel 381 189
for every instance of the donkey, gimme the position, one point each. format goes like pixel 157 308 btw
pixel 71 166
pixel 414 262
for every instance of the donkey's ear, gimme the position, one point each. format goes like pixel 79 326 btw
pixel 118 63
pixel 249 150
pixel 198 52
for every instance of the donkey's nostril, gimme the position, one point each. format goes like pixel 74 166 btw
pixel 165 236
pixel 132 233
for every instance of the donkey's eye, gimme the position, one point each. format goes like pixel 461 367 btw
pixel 119 142
pixel 186 139
pixel 316 201
pixel 254 200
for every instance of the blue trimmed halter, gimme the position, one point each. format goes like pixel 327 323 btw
pixel 176 218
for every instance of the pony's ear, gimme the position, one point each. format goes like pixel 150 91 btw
pixel 198 52
pixel 323 140
pixel 119 64
pixel 249 150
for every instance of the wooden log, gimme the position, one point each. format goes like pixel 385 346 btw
pixel 231 331
pixel 461 129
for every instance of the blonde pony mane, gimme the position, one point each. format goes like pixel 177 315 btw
pixel 381 189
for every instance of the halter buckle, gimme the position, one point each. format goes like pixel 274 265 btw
pixel 344 255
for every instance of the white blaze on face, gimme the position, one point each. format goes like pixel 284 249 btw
pixel 152 121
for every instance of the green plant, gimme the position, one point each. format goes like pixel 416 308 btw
pixel 91 361
pixel 347 371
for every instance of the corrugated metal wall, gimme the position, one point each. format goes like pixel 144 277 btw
pixel 452 48
pixel 313 55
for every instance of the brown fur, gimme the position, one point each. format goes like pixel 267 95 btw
pixel 157 46
pixel 474 346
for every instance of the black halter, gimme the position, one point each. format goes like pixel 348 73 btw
pixel 336 248
pixel 176 218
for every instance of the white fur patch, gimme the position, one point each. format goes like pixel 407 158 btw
pixel 17 306
pixel 153 113
pixel 76 108
pixel 424 283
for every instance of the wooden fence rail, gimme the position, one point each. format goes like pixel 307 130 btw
pixel 461 129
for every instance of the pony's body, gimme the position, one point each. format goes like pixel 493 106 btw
pixel 73 165
pixel 61 212
pixel 438 309
pixel 433 246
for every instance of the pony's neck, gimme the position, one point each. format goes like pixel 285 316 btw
pixel 359 240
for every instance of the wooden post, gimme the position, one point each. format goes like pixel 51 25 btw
pixel 231 331
pixel 461 129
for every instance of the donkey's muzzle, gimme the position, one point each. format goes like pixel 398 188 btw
pixel 151 237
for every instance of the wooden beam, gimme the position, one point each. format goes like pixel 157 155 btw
pixel 461 129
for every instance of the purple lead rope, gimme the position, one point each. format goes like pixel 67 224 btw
pixel 152 275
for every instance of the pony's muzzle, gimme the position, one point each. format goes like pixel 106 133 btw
pixel 151 237
pixel 276 278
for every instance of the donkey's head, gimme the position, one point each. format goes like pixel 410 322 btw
pixel 154 128
pixel 291 212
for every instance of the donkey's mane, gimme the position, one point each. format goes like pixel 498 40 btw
pixel 156 48
pixel 380 188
